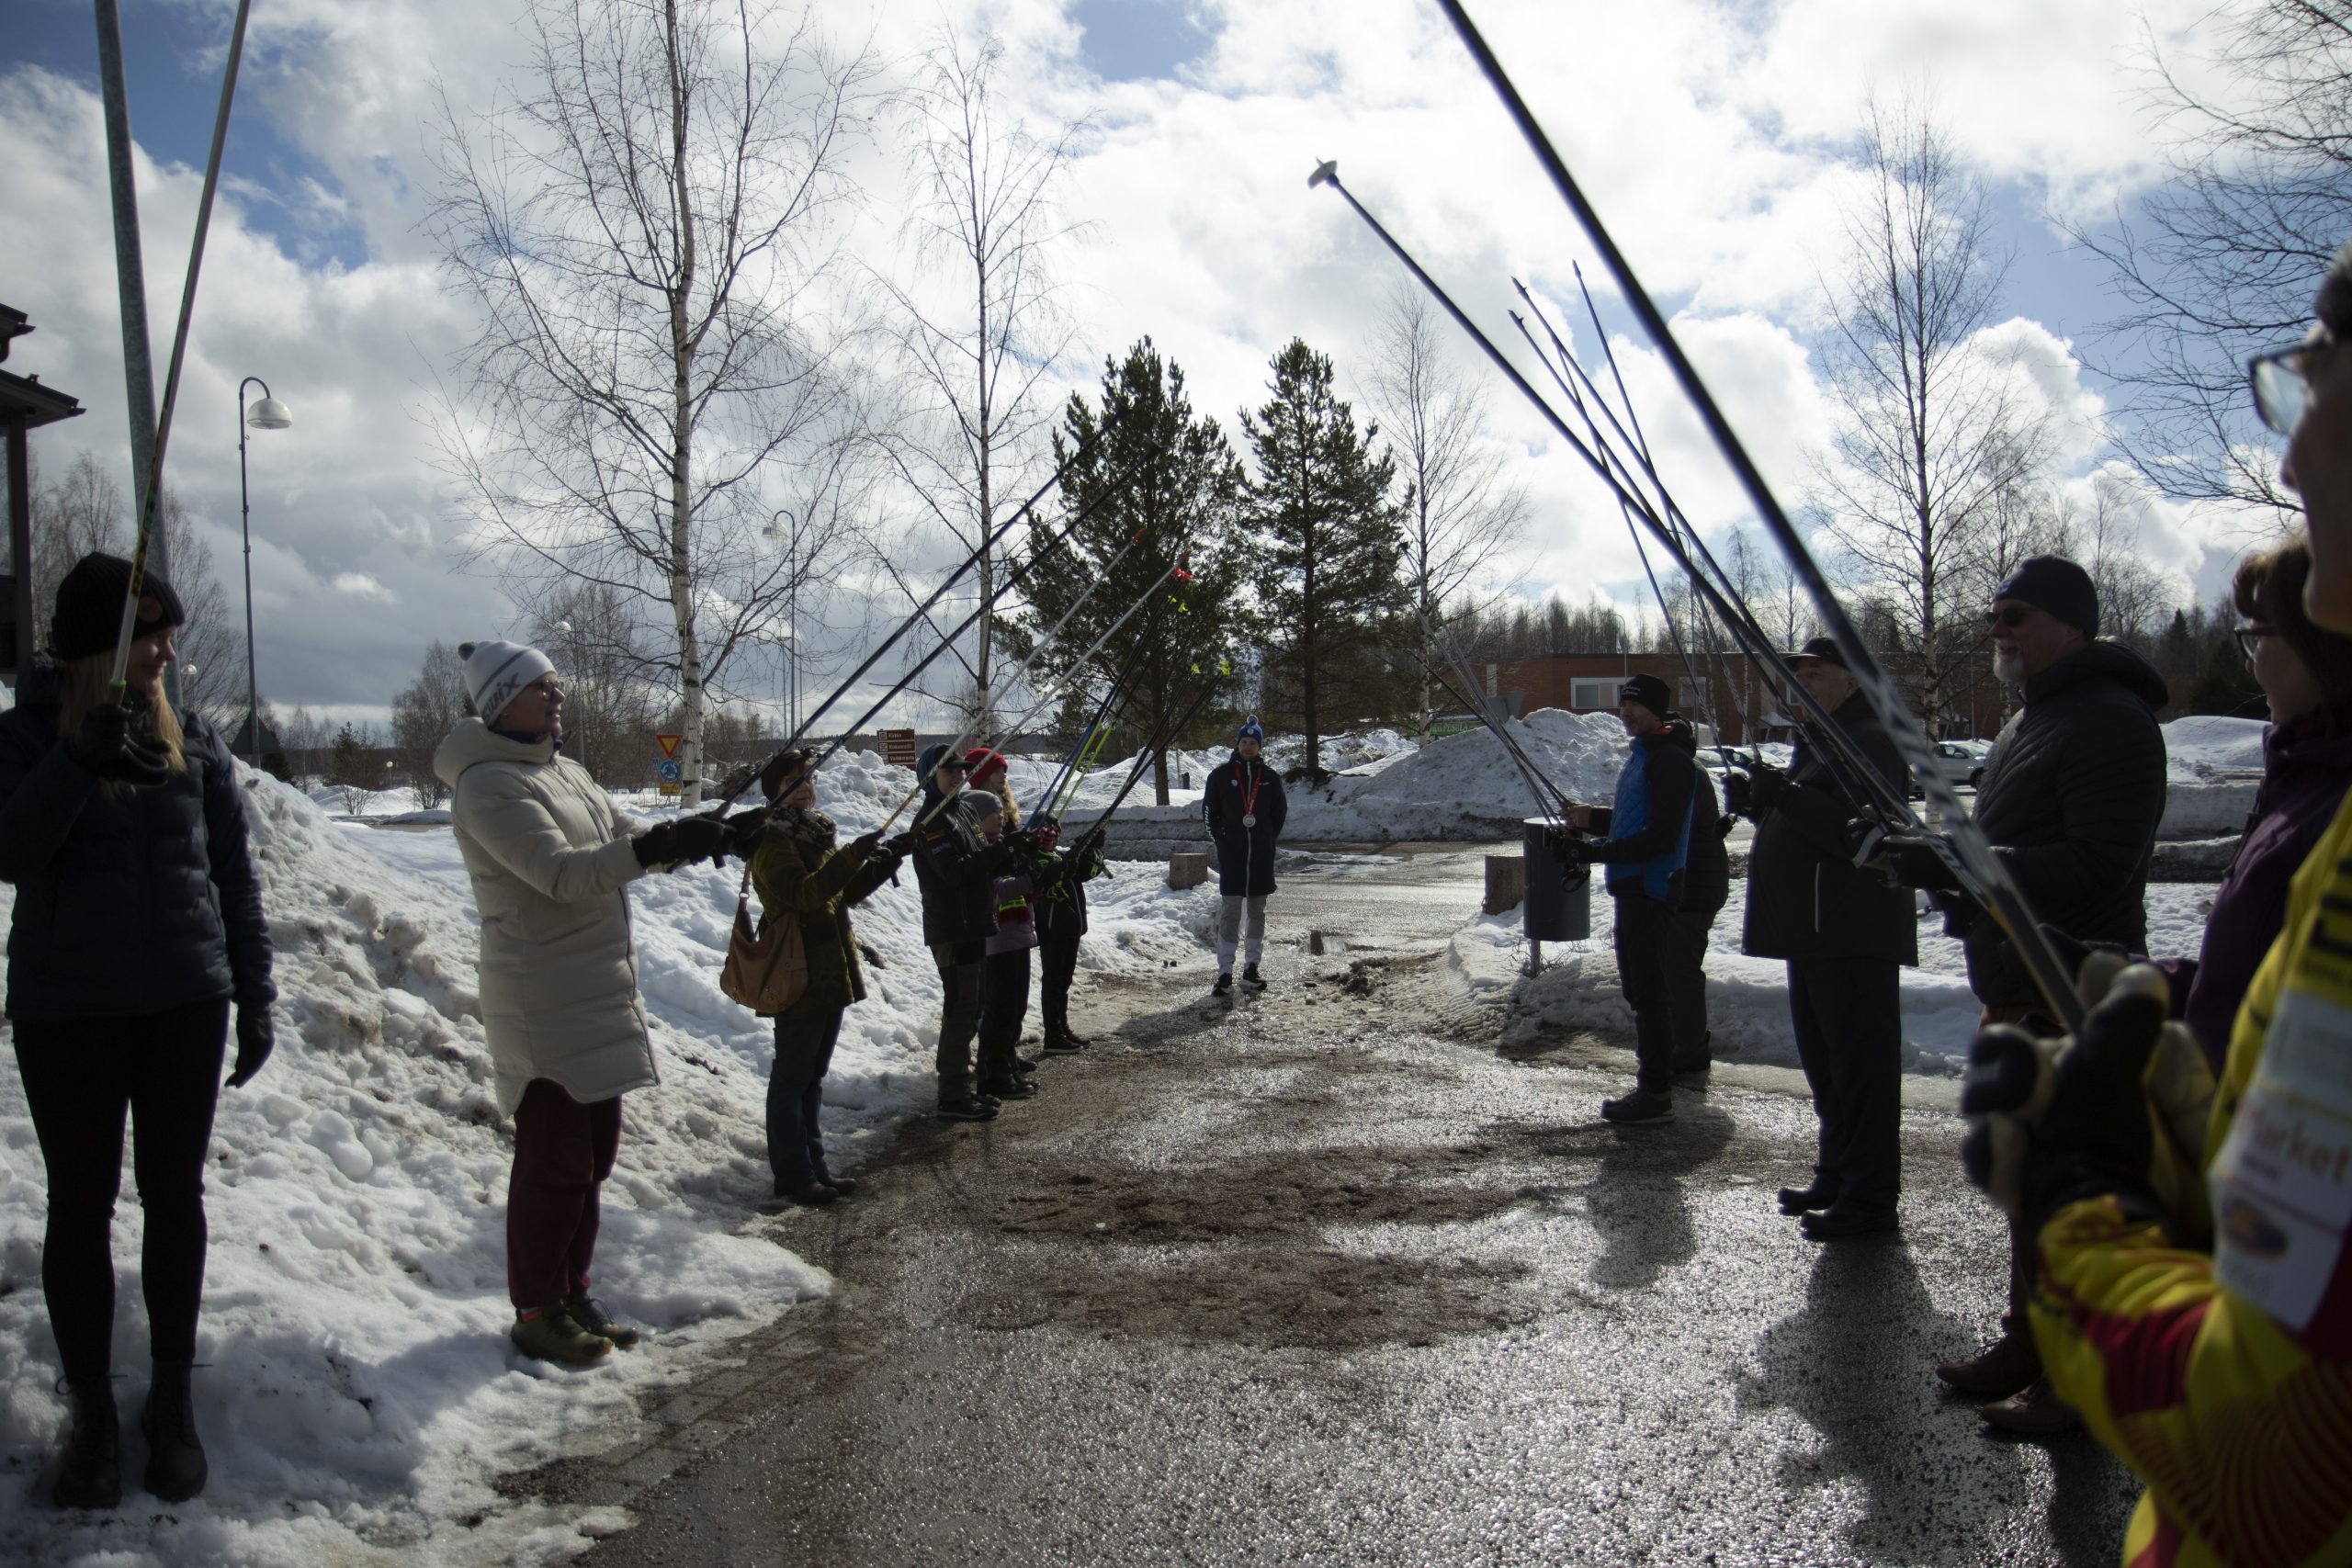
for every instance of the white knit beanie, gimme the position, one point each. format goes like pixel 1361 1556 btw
pixel 496 673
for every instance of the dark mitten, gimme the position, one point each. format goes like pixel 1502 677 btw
pixel 1739 798
pixel 900 844
pixel 256 1036
pixel 116 742
pixel 1918 862
pixel 745 831
pixel 1767 786
pixel 681 841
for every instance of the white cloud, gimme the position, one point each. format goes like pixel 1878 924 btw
pixel 1707 133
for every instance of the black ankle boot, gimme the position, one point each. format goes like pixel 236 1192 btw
pixel 92 1476
pixel 175 1467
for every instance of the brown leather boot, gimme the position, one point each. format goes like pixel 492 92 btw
pixel 2001 1369
pixel 2034 1412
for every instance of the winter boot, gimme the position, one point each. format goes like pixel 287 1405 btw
pixel 582 1310
pixel 551 1335
pixel 1223 986
pixel 1251 978
pixel 1061 1042
pixel 2001 1369
pixel 92 1475
pixel 1805 1200
pixel 1639 1107
pixel 175 1467
pixel 967 1108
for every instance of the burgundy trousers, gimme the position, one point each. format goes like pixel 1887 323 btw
pixel 563 1151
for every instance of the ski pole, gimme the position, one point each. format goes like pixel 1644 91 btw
pixel 136 588
pixel 1963 842
pixel 1022 670
pixel 1088 742
pixel 1166 737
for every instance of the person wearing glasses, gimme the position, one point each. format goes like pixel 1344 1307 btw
pixel 549 858
pixel 2203 1329
pixel 2071 798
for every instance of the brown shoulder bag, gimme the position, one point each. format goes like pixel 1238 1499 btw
pixel 766 972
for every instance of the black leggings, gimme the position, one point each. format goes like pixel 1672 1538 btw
pixel 80 1076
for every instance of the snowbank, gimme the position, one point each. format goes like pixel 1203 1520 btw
pixel 1747 998
pixel 358 1388
pixel 2203 745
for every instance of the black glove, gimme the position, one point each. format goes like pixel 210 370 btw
pixel 1766 786
pixel 868 846
pixel 1917 862
pixel 1739 798
pixel 2054 1121
pixel 115 742
pixel 900 844
pixel 681 841
pixel 745 831
pixel 255 1037
pixel 1088 855
pixel 1572 851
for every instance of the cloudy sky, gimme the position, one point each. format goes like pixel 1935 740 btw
pixel 1714 135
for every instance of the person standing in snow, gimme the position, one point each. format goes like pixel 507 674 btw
pixel 1661 944
pixel 2071 798
pixel 137 929
pixel 1246 810
pixel 803 874
pixel 1004 969
pixel 1846 934
pixel 956 873
pixel 549 857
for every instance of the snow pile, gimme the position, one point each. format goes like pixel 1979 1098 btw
pixel 358 1388
pixel 2203 745
pixel 1471 775
pixel 1747 998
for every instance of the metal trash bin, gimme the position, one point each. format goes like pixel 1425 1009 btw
pixel 1559 897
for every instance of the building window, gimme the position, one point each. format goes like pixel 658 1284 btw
pixel 1693 695
pixel 1584 693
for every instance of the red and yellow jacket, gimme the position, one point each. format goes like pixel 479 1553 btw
pixel 2224 1377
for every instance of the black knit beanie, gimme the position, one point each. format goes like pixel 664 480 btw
pixel 2055 585
pixel 1650 691
pixel 89 606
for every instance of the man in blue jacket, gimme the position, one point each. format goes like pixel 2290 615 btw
pixel 1660 945
pixel 1245 807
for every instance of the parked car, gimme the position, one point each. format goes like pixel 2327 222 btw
pixel 1962 762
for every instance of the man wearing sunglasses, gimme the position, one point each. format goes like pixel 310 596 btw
pixel 2071 798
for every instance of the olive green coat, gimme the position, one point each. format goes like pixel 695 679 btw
pixel 821 895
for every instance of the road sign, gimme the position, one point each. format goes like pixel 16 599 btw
pixel 668 772
pixel 898 747
pixel 669 744
pixel 672 789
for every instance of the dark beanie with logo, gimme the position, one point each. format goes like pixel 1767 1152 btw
pixel 89 607
pixel 1650 691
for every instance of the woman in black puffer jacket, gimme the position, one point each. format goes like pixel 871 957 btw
pixel 138 924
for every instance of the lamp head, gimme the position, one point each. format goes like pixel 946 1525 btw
pixel 269 414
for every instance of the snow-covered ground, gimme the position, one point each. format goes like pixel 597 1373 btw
pixel 357 1390
pixel 1747 998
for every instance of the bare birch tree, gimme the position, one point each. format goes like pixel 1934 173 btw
pixel 1931 431
pixel 978 323
pixel 1460 515
pixel 650 231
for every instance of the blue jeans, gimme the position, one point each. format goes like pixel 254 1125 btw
pixel 804 1049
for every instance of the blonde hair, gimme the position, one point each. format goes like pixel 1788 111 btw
pixel 89 680
pixel 1001 787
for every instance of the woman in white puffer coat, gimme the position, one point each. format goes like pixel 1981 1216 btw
pixel 549 856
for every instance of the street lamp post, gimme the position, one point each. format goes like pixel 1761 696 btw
pixel 266 413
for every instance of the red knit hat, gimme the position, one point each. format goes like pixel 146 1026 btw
pixel 985 764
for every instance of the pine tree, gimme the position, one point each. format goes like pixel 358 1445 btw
pixel 1319 509
pixel 1168 482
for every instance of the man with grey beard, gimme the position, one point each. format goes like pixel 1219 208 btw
pixel 2070 800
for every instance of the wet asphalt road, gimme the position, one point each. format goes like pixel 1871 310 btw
pixel 1321 1276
